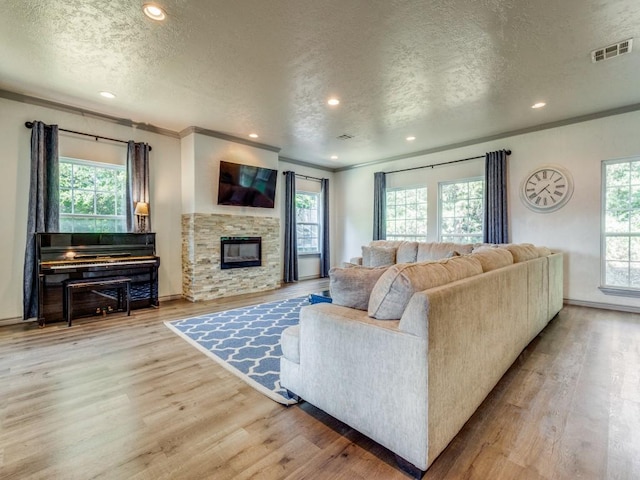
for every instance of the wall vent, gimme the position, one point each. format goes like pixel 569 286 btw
pixel 345 136
pixel 611 51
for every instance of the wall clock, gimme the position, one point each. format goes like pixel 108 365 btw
pixel 546 189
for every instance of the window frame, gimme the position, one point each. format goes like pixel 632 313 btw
pixel 608 289
pixel 467 180
pixel 122 219
pixel 410 237
pixel 318 197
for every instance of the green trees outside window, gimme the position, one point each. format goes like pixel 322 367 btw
pixel 462 211
pixel 92 196
pixel 308 222
pixel 406 214
pixel 621 223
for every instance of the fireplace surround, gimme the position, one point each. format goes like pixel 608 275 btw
pixel 202 277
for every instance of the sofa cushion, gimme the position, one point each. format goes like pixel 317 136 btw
pixel 521 251
pixel 396 286
pixel 544 251
pixel 352 286
pixel 290 343
pixel 438 250
pixel 492 258
pixel 407 252
pixel 378 256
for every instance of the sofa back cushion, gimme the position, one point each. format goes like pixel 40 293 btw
pixel 522 251
pixel 398 283
pixel 438 250
pixel 374 256
pixel 492 258
pixel 352 286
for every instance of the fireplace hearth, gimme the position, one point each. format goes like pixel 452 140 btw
pixel 240 252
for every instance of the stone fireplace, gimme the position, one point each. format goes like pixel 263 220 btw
pixel 203 277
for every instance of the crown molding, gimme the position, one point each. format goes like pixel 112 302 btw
pixel 306 164
pixel 40 102
pixel 226 136
pixel 499 136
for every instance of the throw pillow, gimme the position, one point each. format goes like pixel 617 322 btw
pixel 407 252
pixel 396 286
pixel 378 256
pixel 438 250
pixel 351 286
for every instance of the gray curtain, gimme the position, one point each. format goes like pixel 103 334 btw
pixel 290 236
pixel 325 256
pixel 137 183
pixel 496 218
pixel 43 214
pixel 379 206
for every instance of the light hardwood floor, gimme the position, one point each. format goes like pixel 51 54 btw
pixel 125 398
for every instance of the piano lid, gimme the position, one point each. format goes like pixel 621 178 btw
pixel 67 246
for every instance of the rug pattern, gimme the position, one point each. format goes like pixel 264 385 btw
pixel 246 341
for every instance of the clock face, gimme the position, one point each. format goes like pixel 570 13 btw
pixel 546 189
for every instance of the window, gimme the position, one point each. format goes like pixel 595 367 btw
pixel 407 214
pixel 621 224
pixel 92 196
pixel 308 222
pixel 461 211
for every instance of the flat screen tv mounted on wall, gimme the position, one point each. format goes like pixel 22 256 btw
pixel 246 186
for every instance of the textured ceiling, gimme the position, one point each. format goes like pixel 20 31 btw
pixel 444 71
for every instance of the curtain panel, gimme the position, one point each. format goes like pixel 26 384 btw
pixel 496 213
pixel 290 235
pixel 44 206
pixel 325 255
pixel 379 206
pixel 137 183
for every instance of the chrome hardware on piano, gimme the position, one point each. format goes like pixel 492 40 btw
pixel 70 256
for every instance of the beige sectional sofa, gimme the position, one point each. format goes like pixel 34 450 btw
pixel 410 366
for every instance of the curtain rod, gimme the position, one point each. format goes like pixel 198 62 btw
pixel 306 176
pixel 30 125
pixel 508 152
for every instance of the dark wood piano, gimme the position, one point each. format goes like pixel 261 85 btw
pixel 75 256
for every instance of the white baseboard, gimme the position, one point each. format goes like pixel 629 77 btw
pixel 166 298
pixel 14 321
pixel 601 305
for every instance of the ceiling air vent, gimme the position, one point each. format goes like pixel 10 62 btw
pixel 344 136
pixel 611 51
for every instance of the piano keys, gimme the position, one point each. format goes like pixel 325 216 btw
pixel 73 256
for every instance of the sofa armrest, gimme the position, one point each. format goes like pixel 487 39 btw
pixel 356 260
pixel 368 374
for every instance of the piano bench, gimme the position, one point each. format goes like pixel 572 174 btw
pixel 121 284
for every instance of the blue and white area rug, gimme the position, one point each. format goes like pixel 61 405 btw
pixel 246 341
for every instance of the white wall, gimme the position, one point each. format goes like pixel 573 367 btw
pixel 14 189
pixel 201 156
pixel 309 265
pixel 574 229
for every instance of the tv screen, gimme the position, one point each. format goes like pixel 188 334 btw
pixel 246 186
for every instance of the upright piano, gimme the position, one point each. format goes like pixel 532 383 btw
pixel 75 256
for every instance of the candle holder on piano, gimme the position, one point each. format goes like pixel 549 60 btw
pixel 142 212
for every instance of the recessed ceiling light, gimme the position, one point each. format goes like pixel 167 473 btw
pixel 411 138
pixel 107 94
pixel 334 157
pixel 253 135
pixel 538 105
pixel 333 102
pixel 154 12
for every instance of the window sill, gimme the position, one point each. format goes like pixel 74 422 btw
pixel 308 255
pixel 620 291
